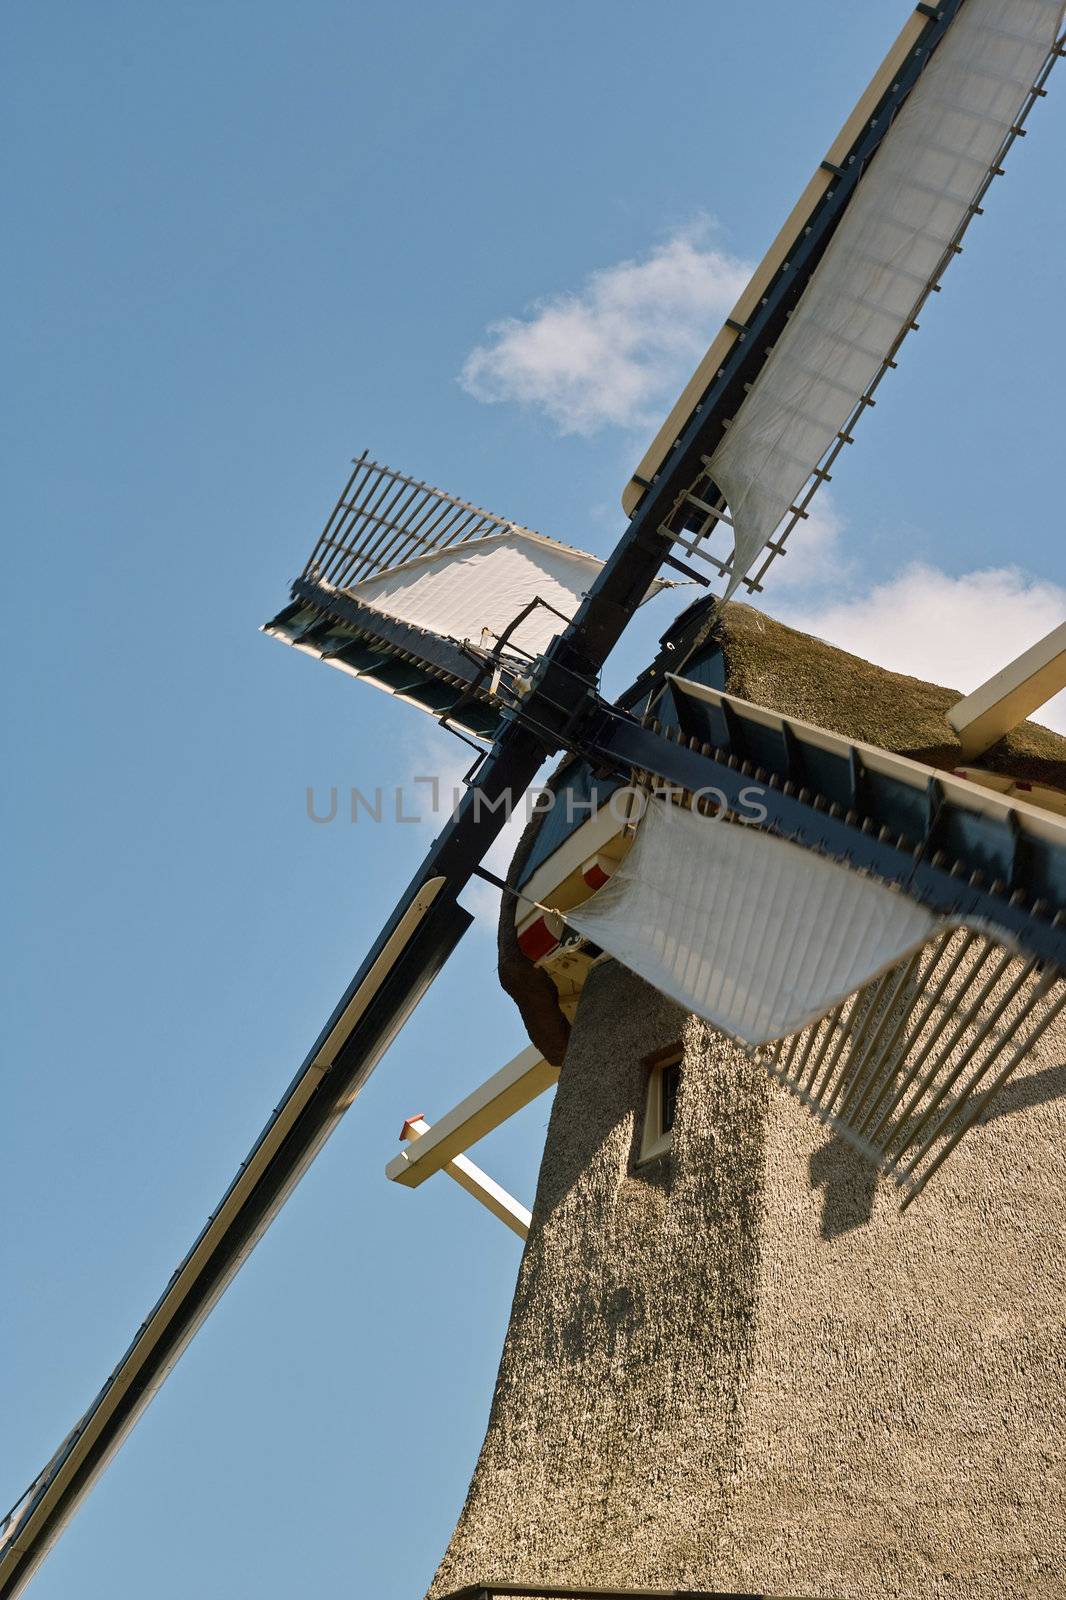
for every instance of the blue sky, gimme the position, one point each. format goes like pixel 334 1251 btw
pixel 244 243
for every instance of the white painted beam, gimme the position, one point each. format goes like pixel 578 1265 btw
pixel 506 1092
pixel 484 1189
pixel 1011 695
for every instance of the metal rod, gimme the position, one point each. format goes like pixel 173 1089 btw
pixel 917 1024
pixel 938 1029
pixel 858 1087
pixel 926 1082
pixel 835 1021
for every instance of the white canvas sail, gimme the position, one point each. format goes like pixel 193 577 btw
pixel 889 246
pixel 756 935
pixel 484 584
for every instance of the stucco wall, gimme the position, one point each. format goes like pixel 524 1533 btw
pixel 743 1369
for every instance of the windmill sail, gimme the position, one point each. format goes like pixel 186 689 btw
pixel 894 241
pixel 415 942
pixel 892 988
pixel 417 592
pixel 898 232
pixel 362 539
pixel 476 591
pixel 755 934
pixel 894 1025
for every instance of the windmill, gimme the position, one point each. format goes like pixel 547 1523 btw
pixel 502 634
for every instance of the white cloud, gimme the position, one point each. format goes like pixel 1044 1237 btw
pixel 955 631
pixel 614 352
pixel 813 554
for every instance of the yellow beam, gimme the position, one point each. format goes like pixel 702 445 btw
pixel 506 1092
pixel 511 1212
pixel 1011 695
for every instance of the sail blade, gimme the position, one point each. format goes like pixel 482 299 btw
pixel 421 934
pixel 756 935
pixel 421 594
pixel 893 242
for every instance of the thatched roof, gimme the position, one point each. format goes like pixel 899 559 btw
pixel 803 677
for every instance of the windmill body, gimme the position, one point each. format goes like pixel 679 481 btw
pixel 732 1364
pixel 917 973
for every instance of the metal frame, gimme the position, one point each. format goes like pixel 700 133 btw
pixel 906 1067
pixel 684 468
pixel 415 943
pixel 371 529
pixel 735 325
pixel 411 663
pixel 955 847
pixel 821 473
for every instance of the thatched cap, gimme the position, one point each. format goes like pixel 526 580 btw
pixel 803 677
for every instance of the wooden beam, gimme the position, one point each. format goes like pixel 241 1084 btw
pixel 1011 695
pixel 506 1092
pixel 484 1189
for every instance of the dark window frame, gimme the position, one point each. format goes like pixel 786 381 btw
pixel 662 1090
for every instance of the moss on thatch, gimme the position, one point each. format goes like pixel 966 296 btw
pixel 803 677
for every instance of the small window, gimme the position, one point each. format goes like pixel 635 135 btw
pixel 669 1083
pixel 664 1084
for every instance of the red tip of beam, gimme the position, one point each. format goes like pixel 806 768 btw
pixel 597 871
pixel 536 940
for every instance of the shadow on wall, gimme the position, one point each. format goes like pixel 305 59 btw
pixel 1038 1089
pixel 849 1183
